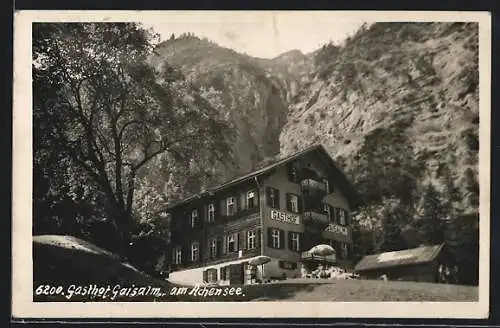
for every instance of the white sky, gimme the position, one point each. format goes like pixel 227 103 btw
pixel 260 34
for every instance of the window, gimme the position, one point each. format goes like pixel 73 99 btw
pixel 342 217
pixel 194 218
pixel 251 199
pixel 275 238
pixel 293 203
pixel 231 206
pixel 330 211
pixel 251 242
pixel 195 251
pixel 273 198
pixel 211 213
pixel 228 273
pixel 177 255
pixel 225 273
pixel 213 248
pixel 294 241
pixel 212 275
pixel 231 244
pixel 344 251
pixel 293 175
pixel 327 185
pixel 287 265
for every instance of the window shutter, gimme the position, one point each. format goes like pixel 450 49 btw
pixel 337 248
pixel 224 245
pixel 244 239
pixel 236 241
pixel 246 205
pixel 184 253
pixel 223 207
pixel 288 198
pixel 291 176
pixel 269 237
pixel 289 240
pixel 257 238
pixel 237 202
pixel 223 273
pixel 205 275
pixel 218 242
pixel 299 201
pixel 268 196
pixel 282 239
pixel 347 218
pixel 277 199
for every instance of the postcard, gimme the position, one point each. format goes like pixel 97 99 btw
pixel 239 164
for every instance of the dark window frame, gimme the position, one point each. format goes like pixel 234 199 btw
pixel 273 197
pixel 289 203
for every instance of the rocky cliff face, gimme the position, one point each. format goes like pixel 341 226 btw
pixel 421 79
pixel 252 101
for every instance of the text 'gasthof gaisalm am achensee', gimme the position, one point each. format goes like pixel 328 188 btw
pixel 112 292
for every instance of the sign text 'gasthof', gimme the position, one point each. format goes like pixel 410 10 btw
pixel 285 217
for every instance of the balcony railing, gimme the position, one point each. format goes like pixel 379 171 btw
pixel 306 173
pixel 316 217
pixel 307 256
pixel 312 185
pixel 337 232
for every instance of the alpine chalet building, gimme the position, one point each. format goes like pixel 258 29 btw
pixel 280 211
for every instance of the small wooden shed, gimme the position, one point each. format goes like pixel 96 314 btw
pixel 424 264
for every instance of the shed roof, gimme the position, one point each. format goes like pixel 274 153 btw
pixel 419 255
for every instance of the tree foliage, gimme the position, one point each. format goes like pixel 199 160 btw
pixel 104 114
pixel 385 166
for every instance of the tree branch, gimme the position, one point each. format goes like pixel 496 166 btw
pixel 129 123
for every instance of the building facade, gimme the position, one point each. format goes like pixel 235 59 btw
pixel 280 211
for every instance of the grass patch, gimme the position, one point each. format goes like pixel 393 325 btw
pixel 76 268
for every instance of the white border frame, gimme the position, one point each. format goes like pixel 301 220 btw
pixel 22 276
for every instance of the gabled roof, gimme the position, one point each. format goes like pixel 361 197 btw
pixel 419 255
pixel 351 194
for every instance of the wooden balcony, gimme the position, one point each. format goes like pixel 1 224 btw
pixel 316 218
pixel 307 256
pixel 313 186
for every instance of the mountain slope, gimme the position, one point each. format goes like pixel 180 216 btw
pixel 418 79
pixel 394 94
pixel 254 103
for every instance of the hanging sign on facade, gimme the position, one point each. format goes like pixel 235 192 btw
pixel 338 229
pixel 285 217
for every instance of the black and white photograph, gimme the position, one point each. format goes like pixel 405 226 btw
pixel 283 163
